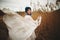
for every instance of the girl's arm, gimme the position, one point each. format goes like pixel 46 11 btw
pixel 37 21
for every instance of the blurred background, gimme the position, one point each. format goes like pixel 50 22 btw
pixel 19 5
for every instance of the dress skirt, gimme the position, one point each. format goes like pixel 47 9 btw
pixel 32 37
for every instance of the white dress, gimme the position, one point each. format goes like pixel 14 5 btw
pixel 19 28
pixel 29 19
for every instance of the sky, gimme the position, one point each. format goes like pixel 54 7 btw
pixel 15 5
pixel 19 5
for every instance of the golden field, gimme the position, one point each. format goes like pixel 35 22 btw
pixel 48 30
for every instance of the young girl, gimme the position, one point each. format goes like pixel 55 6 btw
pixel 29 19
pixel 20 28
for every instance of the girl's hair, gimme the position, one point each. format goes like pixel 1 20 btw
pixel 26 9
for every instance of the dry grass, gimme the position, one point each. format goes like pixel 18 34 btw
pixel 50 25
pixel 48 30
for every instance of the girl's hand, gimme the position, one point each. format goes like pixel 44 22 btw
pixel 39 20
